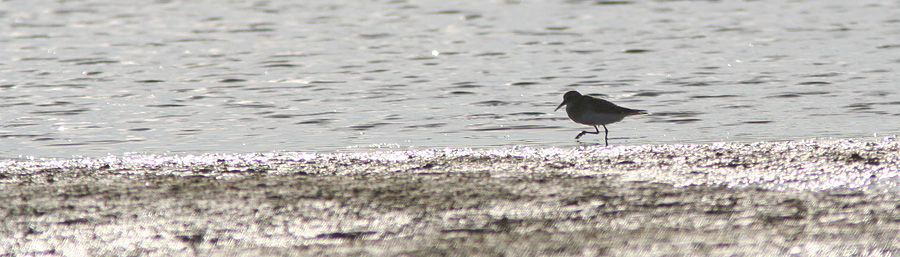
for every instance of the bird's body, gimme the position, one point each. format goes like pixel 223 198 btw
pixel 593 112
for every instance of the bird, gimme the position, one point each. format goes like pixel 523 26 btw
pixel 592 111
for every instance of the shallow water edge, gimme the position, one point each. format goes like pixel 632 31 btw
pixel 804 197
pixel 813 165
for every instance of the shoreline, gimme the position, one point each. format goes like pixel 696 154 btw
pixel 797 197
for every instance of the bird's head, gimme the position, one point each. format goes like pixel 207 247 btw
pixel 568 98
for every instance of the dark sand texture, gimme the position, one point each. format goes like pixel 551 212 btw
pixel 810 198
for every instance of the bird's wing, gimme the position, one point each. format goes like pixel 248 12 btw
pixel 601 105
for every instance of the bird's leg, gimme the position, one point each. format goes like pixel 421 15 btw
pixel 606 137
pixel 587 132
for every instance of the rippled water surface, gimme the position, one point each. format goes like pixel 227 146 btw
pixel 112 77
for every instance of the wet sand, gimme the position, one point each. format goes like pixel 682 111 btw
pixel 809 198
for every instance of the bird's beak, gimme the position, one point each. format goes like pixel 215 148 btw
pixel 560 106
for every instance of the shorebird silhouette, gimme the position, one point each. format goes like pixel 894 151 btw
pixel 594 111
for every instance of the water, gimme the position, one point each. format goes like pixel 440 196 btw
pixel 94 78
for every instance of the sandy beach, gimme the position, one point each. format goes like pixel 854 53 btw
pixel 805 198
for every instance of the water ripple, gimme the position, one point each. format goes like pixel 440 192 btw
pixel 277 74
